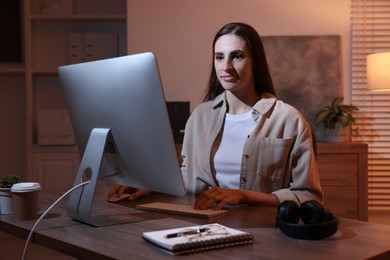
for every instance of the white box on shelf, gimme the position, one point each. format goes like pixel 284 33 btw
pixel 90 46
pixel 55 127
pixel 76 44
pixel 67 129
pixel 99 46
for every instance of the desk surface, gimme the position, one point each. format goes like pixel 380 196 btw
pixel 353 240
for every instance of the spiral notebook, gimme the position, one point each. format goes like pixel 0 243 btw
pixel 197 238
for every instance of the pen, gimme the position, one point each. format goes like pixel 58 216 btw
pixel 189 232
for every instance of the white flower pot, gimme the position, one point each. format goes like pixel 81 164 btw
pixel 338 135
pixel 6 204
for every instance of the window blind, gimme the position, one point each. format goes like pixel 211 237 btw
pixel 370 27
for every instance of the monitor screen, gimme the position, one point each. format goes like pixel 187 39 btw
pixel 121 124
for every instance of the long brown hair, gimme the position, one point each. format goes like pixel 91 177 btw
pixel 262 76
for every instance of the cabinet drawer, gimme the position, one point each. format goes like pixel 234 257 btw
pixel 338 169
pixel 55 171
pixel 341 200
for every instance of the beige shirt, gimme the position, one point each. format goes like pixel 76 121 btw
pixel 278 155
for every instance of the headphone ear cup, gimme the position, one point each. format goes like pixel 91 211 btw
pixel 318 223
pixel 312 212
pixel 288 211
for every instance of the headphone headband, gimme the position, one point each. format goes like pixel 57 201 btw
pixel 309 231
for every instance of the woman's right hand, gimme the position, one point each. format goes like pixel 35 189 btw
pixel 218 196
pixel 120 193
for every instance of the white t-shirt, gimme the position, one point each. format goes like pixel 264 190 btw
pixel 227 160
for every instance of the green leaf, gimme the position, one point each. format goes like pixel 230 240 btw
pixel 336 102
pixel 321 116
pixel 344 120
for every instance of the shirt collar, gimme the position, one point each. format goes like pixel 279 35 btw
pixel 266 102
pixel 219 100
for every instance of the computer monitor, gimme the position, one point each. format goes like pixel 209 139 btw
pixel 121 124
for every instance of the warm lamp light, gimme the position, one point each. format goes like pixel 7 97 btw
pixel 378 71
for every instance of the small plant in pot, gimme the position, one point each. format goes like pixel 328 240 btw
pixel 6 182
pixel 337 114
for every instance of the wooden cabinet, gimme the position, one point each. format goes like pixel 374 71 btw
pixel 55 33
pixel 59 33
pixel 343 173
pixel 55 169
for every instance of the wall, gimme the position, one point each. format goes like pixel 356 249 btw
pixel 180 33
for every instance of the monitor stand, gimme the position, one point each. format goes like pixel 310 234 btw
pixel 80 201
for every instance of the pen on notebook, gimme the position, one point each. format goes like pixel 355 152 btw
pixel 189 232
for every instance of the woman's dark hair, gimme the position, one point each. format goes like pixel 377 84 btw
pixel 262 76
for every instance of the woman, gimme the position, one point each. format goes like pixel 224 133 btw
pixel 243 145
pixel 243 142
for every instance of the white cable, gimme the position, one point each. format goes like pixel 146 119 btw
pixel 47 211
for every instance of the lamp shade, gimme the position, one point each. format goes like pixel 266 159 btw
pixel 378 71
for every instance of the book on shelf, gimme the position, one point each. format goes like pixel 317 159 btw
pixel 197 238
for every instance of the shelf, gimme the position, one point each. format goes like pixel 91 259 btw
pixel 11 72
pixel 54 149
pixel 79 18
pixel 11 69
pixel 51 73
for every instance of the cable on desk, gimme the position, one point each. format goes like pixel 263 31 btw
pixel 47 211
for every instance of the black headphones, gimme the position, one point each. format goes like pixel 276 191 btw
pixel 318 223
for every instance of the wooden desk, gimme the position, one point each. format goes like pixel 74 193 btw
pixel 354 240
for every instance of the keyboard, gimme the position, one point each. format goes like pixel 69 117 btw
pixel 181 209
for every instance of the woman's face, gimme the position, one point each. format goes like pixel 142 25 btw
pixel 233 64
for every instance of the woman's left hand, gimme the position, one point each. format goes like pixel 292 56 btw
pixel 220 196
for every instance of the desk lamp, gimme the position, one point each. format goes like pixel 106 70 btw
pixel 378 71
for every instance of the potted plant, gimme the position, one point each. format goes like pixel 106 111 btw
pixel 335 119
pixel 6 182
